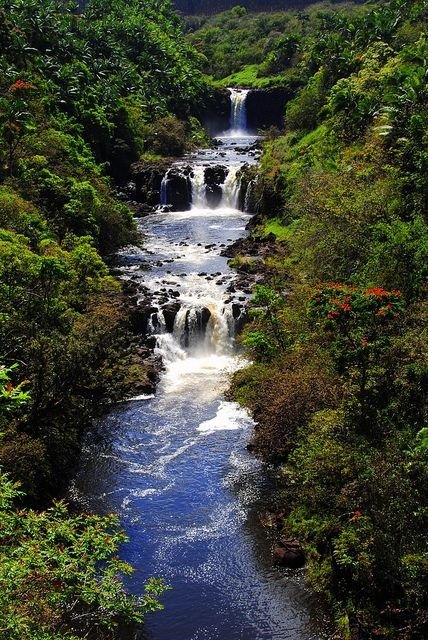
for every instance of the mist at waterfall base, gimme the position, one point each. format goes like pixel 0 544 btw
pixel 175 465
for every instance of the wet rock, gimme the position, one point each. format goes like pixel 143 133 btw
pixel 214 195
pixel 236 310
pixel 169 311
pixel 146 180
pixel 151 342
pixel 289 553
pixel 178 190
pixel 139 317
pixel 215 111
pixel 215 176
pixel 266 107
pixel 205 316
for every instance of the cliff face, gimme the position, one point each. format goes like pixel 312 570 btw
pixel 201 7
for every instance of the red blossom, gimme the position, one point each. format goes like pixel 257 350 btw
pixel 21 85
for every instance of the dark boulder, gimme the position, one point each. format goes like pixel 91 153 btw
pixel 205 316
pixel 214 112
pixel 146 182
pixel 289 554
pixel 169 311
pixel 139 317
pixel 236 310
pixel 178 190
pixel 214 178
pixel 215 175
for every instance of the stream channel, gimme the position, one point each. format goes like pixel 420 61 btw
pixel 174 465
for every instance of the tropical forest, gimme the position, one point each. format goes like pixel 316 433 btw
pixel 213 320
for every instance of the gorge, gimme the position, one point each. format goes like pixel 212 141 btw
pixel 174 465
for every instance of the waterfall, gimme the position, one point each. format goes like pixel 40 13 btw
pixel 196 329
pixel 163 190
pixel 231 188
pixel 238 121
pixel 197 181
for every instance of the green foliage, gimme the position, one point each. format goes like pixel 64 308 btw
pixel 81 97
pixel 267 340
pixel 348 181
pixel 265 49
pixel 11 396
pixel 59 574
pixel 302 113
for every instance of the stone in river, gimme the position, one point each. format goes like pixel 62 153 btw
pixel 169 311
pixel 289 554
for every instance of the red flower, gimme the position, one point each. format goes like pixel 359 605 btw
pixel 333 314
pixel 21 85
pixel 364 342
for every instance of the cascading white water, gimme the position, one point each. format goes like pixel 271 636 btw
pixel 231 188
pixel 238 121
pixel 197 330
pixel 197 181
pixel 163 190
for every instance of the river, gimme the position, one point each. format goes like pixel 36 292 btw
pixel 175 465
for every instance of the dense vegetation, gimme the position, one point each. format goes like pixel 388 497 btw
pixel 262 50
pixel 339 340
pixel 81 97
pixel 202 7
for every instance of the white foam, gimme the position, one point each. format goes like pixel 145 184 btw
pixel 205 375
pixel 230 417
pixel 143 396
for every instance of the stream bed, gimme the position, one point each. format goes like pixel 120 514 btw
pixel 175 465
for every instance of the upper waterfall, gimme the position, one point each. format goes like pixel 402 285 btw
pixel 238 120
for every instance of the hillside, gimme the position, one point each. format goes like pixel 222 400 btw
pixel 260 50
pixel 205 7
pixel 338 341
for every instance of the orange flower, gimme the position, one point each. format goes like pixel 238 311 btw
pixel 21 85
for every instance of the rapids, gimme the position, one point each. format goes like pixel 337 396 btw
pixel 174 465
